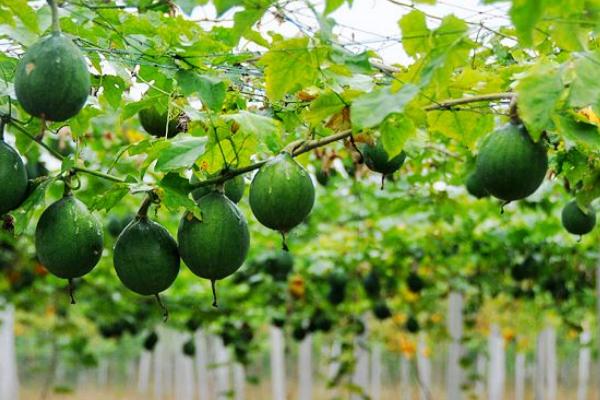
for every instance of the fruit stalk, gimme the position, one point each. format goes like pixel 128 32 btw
pixel 143 211
pixel 55 20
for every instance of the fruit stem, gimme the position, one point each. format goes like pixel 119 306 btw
pixel 513 112
pixel 360 154
pixel 163 307
pixel 143 211
pixel 55 21
pixel 213 285
pixel 284 245
pixel 2 125
pixel 382 181
pixel 72 291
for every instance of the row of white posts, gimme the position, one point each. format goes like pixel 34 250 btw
pixel 167 373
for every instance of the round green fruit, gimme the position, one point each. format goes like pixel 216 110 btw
pixel 577 221
pixel 150 341
pixel 415 283
pixel 282 194
pixel 337 287
pixel 68 239
pixel 215 247
pixel 382 311
pixel 279 265
pixel 13 179
pixel 189 348
pixel 158 123
pixel 52 80
pixel 475 186
pixel 146 257
pixel 378 160
pixel 510 164
pixel 116 224
pixel 412 325
pixel 372 284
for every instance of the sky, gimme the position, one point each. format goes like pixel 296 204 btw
pixel 374 23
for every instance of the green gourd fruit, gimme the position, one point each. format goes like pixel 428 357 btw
pixel 475 186
pixel 510 164
pixel 68 238
pixel 146 257
pixel 282 194
pixel 577 221
pixel 215 247
pixel 157 123
pixel 378 160
pixel 52 81
pixel 13 179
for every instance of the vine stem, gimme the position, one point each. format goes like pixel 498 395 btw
pixel 300 148
pixel 55 19
pixel 60 157
pixel 448 104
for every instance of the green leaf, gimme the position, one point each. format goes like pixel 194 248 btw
pixel 332 5
pixel 289 66
pixel 113 90
pixel 188 5
pixel 369 109
pixel 395 131
pixel 326 105
pixel 210 89
pixel 181 153
pixel 109 199
pixel 538 94
pixel 577 131
pixel 415 34
pixel 24 12
pixel 24 215
pixel 177 194
pixel 525 14
pixel 254 124
pixel 585 88
pixel 223 6
pixel 464 127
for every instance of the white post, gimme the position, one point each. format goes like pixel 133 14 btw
pixel 424 370
pixel 158 359
pixel 540 364
pixel 598 318
pixel 455 327
pixel 361 370
pixel 376 372
pixel 584 365
pixel 239 381
pixel 202 362
pixel 277 364
pixel 222 369
pixel 520 376
pixel 184 372
pixel 480 384
pixel 144 372
pixel 405 385
pixel 9 381
pixel 551 364
pixel 334 364
pixel 497 365
pixel 102 373
pixel 305 378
